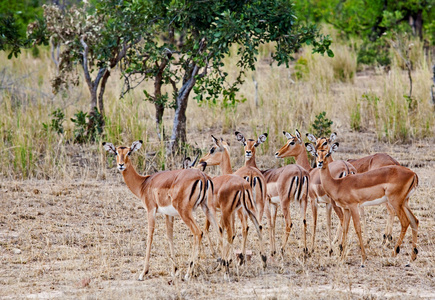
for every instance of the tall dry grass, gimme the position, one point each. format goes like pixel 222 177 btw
pixel 370 101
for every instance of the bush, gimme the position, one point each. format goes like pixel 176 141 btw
pixel 322 125
pixel 87 127
pixel 56 124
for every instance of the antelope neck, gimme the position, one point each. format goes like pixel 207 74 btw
pixel 328 182
pixel 302 159
pixel 226 163
pixel 133 180
pixel 251 162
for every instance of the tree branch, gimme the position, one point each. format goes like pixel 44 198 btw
pixel 85 63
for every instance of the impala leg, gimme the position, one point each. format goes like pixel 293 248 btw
pixel 414 225
pixel 404 222
pixel 211 218
pixel 328 223
pixel 304 222
pixel 269 222
pixel 288 222
pixel 273 211
pixel 227 247
pixel 197 235
pixel 339 213
pixel 151 224
pixel 314 207
pixel 388 237
pixel 362 216
pixel 260 238
pixel 346 220
pixel 245 228
pixel 170 235
pixel 357 226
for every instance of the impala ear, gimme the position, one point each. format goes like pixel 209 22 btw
pixel 261 139
pixel 310 147
pixel 135 146
pixel 332 149
pixel 217 141
pixel 311 138
pixel 287 135
pixel 240 137
pixel 333 137
pixel 109 148
pixel 298 135
pixel 186 163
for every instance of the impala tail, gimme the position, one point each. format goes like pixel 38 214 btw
pixel 412 187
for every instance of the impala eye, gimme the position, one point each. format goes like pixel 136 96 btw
pixel 211 150
pixel 291 143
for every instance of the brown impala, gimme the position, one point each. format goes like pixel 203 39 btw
pixel 172 193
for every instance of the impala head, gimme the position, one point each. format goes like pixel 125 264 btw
pixel 321 152
pixel 122 153
pixel 215 154
pixel 250 144
pixel 317 141
pixel 292 147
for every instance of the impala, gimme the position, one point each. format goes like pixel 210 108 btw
pixel 294 147
pixel 232 194
pixel 373 162
pixel 283 185
pixel 391 184
pixel 172 193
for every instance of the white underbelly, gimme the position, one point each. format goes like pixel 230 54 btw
pixel 375 202
pixel 168 210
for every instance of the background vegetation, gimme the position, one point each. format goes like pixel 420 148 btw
pixel 44 135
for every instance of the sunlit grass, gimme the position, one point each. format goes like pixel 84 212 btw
pixel 371 101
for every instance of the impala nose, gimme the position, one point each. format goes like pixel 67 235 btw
pixel 121 167
pixel 276 154
pixel 320 164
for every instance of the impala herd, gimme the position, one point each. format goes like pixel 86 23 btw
pixel 345 186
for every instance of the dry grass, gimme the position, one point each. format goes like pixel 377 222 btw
pixel 70 228
pixel 85 238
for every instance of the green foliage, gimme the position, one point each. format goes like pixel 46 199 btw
pixel 201 40
pixel 322 125
pixel 301 68
pixel 371 19
pixel 56 124
pixel 14 18
pixel 87 127
pixel 377 52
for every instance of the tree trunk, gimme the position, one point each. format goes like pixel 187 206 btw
pixel 418 24
pixel 160 109
pixel 102 90
pixel 178 136
pixel 158 102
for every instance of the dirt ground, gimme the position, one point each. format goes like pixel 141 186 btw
pixel 85 239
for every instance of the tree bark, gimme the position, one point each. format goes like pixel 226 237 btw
pixel 418 24
pixel 178 136
pixel 160 109
pixel 102 90
pixel 159 105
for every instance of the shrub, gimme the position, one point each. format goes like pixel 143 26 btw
pixel 321 125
